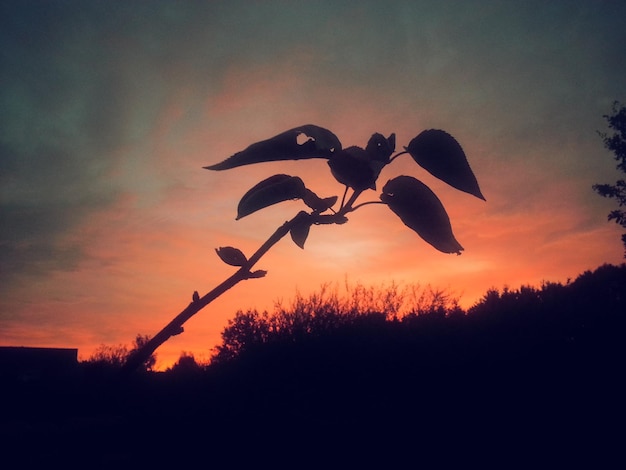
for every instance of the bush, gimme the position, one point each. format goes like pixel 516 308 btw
pixel 327 312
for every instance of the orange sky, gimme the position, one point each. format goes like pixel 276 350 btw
pixel 111 222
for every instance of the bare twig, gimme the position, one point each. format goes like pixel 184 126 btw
pixel 176 325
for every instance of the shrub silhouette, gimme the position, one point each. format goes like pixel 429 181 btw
pixel 187 365
pixel 528 325
pixel 114 357
pixel 326 312
pixel 109 356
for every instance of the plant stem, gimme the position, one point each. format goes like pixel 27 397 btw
pixel 397 155
pixel 343 199
pixel 176 325
pixel 365 204
pixel 348 207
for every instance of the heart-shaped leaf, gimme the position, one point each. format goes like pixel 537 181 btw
pixel 300 229
pixel 308 141
pixel 232 256
pixel 270 191
pixel 442 156
pixel 422 211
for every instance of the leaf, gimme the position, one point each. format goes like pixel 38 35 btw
pixel 359 168
pixel 232 256
pixel 355 168
pixel 270 191
pixel 317 203
pixel 300 230
pixel 380 148
pixel 442 156
pixel 289 145
pixel 422 211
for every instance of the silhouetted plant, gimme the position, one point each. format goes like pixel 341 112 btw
pixel 109 356
pixel 138 343
pixel 431 301
pixel 186 365
pixel 616 143
pixel 355 167
pixel 531 328
pixel 114 357
pixel 325 312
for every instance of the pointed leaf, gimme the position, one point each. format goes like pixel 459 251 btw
pixel 300 230
pixel 232 256
pixel 270 191
pixel 422 211
pixel 317 203
pixel 379 148
pixel 308 141
pixel 441 155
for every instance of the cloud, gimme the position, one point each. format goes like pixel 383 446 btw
pixel 68 104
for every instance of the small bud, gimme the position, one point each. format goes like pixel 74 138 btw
pixel 231 256
pixel 256 274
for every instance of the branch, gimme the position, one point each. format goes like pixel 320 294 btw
pixel 367 203
pixel 175 327
pixel 348 207
pixel 396 156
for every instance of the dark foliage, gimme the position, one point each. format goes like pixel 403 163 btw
pixel 526 375
pixel 109 359
pixel 616 143
pixel 186 366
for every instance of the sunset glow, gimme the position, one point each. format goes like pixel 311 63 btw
pixel 110 223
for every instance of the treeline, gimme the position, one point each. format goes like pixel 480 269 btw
pixel 531 371
pixel 588 312
pixel 428 324
pixel 561 315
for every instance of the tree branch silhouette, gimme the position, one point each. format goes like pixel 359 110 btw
pixel 355 167
pixel 175 327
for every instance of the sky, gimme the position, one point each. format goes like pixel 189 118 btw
pixel 110 109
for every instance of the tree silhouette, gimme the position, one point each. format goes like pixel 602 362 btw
pixel 358 169
pixel 616 143
pixel 186 365
pixel 139 342
pixel 114 357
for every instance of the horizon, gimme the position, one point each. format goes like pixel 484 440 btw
pixel 346 293
pixel 110 113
